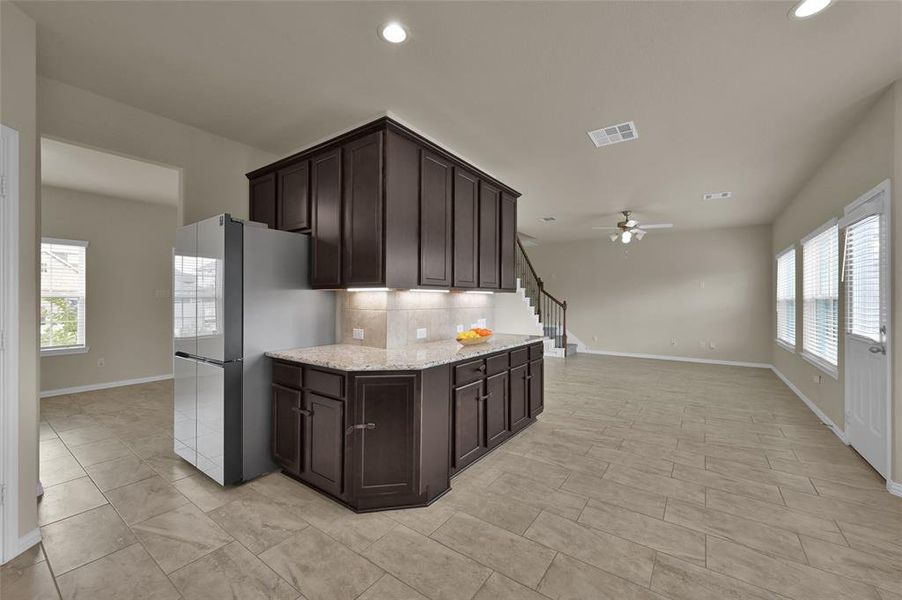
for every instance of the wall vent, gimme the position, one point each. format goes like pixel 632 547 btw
pixel 614 134
pixel 717 195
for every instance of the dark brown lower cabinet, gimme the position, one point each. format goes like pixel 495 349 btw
pixel 378 440
pixel 468 425
pixel 324 433
pixel 287 435
pixel 496 409
pixel 519 397
pixel 536 388
pixel 384 437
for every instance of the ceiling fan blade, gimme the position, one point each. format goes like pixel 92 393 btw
pixel 606 228
pixel 658 226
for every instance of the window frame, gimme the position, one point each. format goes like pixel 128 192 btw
pixel 80 348
pixel 788 346
pixel 820 362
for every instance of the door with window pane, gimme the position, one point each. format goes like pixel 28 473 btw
pixel 865 279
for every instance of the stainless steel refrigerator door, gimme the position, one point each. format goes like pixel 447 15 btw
pixel 211 420
pixel 184 290
pixel 210 277
pixel 185 425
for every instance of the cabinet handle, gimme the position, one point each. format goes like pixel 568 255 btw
pixel 486 397
pixel 482 368
pixel 351 428
pixel 527 377
pixel 306 413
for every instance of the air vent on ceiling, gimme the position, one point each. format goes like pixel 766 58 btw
pixel 717 195
pixel 614 134
pixel 548 219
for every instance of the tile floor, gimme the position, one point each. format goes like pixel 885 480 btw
pixel 642 480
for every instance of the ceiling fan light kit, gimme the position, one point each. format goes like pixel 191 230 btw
pixel 629 229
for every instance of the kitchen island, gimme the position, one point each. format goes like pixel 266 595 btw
pixel 378 429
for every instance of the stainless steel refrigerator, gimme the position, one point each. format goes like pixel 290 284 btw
pixel 239 290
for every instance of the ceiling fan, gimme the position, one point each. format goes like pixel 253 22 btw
pixel 629 228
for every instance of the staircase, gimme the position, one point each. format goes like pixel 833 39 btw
pixel 550 312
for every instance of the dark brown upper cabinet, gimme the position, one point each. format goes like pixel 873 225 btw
pixel 508 261
pixel 293 197
pixel 262 200
pixel 362 204
pixel 466 229
pixel 325 244
pixel 389 208
pixel 489 230
pixel 436 211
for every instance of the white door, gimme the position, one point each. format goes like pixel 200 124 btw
pixel 866 280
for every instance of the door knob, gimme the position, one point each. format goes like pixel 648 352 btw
pixel 877 349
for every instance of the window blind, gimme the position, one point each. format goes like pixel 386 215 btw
pixel 62 293
pixel 820 294
pixel 864 313
pixel 786 297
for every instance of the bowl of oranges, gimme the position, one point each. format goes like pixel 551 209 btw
pixel 477 335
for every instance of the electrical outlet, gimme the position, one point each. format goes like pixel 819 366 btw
pixel 421 333
pixel 594 338
pixel 701 284
pixel 100 362
pixel 817 379
pixel 460 327
pixel 358 334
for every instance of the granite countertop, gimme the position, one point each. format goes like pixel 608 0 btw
pixel 350 357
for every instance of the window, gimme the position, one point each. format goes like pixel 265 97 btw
pixel 820 295
pixel 63 296
pixel 786 298
pixel 864 312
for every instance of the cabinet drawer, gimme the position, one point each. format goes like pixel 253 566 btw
pixel 322 382
pixel 287 374
pixel 536 351
pixel 519 357
pixel 496 364
pixel 469 372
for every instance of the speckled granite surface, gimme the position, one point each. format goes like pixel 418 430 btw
pixel 348 357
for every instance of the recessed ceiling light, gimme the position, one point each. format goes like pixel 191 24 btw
pixel 717 195
pixel 614 134
pixel 808 8
pixel 393 32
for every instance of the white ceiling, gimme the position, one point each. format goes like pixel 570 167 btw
pixel 87 170
pixel 725 95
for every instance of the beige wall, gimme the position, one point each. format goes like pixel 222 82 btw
pixel 129 277
pixel 691 286
pixel 861 161
pixel 213 167
pixel 17 110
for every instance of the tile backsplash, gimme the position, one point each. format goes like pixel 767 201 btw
pixel 391 319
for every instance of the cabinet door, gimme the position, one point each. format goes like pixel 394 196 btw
pixel 519 397
pixel 536 388
pixel 469 430
pixel 436 209
pixel 489 200
pixel 362 205
pixel 466 229
pixel 325 255
pixel 292 197
pixel 287 429
pixel 384 438
pixel 262 200
pixel 496 401
pixel 324 443
pixel 508 242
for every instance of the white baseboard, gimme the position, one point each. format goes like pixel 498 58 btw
pixel 28 540
pixel 841 434
pixel 705 361
pixel 894 487
pixel 103 386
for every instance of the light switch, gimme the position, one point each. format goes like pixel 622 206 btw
pixel 421 333
pixel 358 334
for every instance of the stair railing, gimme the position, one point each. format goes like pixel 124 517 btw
pixel 552 311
